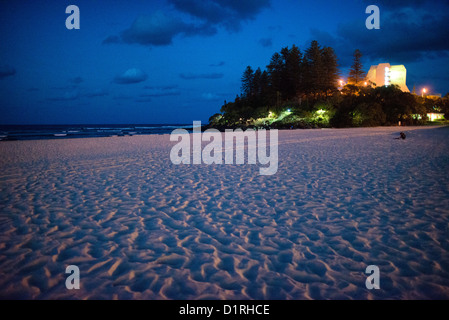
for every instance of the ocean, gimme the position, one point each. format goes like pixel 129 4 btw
pixel 39 132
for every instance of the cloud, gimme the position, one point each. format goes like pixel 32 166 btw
pixel 219 64
pixel 276 28
pixel 193 76
pixel 76 80
pixel 112 39
pixel 166 87
pixel 6 71
pixel 405 35
pixel 131 76
pixel 143 100
pixel 266 42
pixel 205 17
pixel 211 96
pixel 389 4
pixel 122 97
pixel 96 93
pixel 227 13
pixel 160 91
pixel 160 94
pixel 66 96
pixel 158 29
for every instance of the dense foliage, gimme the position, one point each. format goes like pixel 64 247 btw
pixel 303 90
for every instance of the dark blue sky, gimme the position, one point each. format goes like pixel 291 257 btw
pixel 175 61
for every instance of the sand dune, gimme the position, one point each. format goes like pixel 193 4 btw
pixel 139 227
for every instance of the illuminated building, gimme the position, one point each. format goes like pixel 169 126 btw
pixel 384 74
pixel 434 116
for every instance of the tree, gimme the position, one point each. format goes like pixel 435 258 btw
pixel 356 74
pixel 313 68
pixel 370 115
pixel 248 82
pixel 264 89
pixel 292 72
pixel 446 106
pixel 330 69
pixel 256 85
pixel 275 70
pixel 397 105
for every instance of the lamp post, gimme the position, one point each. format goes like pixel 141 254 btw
pixel 423 92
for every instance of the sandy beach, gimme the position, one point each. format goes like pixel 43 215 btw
pixel 140 227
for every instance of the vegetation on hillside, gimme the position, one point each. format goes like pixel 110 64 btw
pixel 303 90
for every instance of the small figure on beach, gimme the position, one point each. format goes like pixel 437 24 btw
pixel 401 136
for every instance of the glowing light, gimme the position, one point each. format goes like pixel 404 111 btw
pixel 424 90
pixel 435 116
pixel 387 76
pixel 321 111
pixel 366 83
pixel 289 110
pixel 270 114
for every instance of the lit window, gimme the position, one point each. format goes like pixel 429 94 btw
pixel 387 76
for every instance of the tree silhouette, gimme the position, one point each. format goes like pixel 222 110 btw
pixel 275 70
pixel 330 71
pixel 313 68
pixel 248 82
pixel 292 72
pixel 356 74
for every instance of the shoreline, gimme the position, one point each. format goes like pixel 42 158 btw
pixel 103 131
pixel 298 127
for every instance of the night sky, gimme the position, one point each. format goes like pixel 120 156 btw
pixel 175 61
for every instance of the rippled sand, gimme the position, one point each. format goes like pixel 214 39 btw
pixel 139 227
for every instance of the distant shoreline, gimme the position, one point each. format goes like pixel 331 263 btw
pixel 44 132
pixel 280 127
pixel 59 132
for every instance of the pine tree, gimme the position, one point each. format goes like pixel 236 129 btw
pixel 264 88
pixel 313 68
pixel 248 82
pixel 331 73
pixel 356 74
pixel 292 73
pixel 275 70
pixel 256 90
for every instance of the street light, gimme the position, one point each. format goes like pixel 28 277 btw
pixel 423 92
